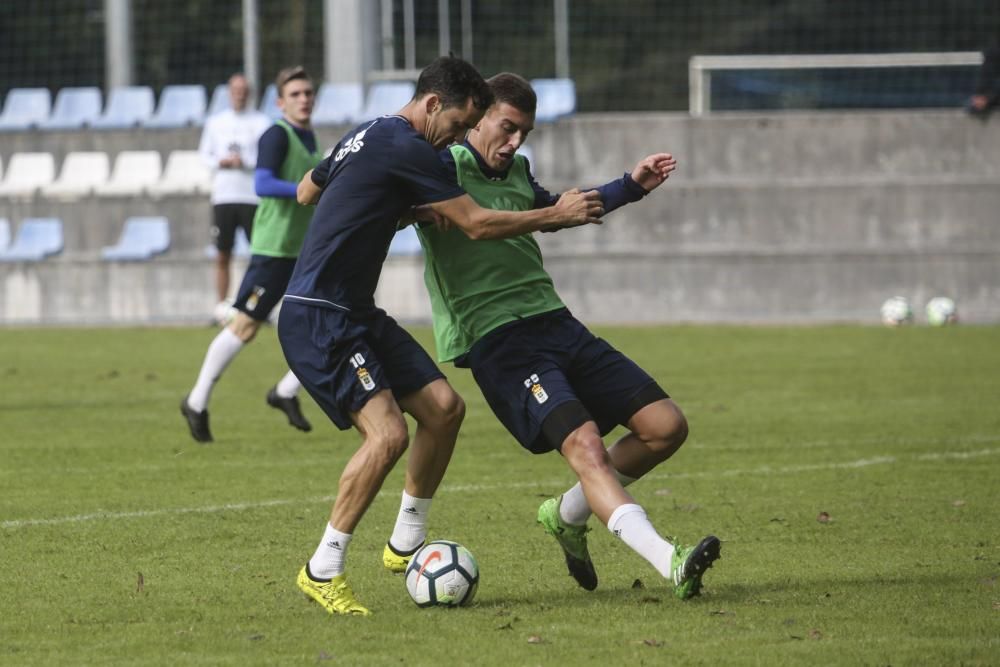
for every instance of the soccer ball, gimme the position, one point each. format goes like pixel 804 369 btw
pixel 896 312
pixel 941 311
pixel 442 573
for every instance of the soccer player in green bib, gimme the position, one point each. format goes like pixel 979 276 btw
pixel 287 150
pixel 550 381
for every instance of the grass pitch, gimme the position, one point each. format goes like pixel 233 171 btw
pixel 852 474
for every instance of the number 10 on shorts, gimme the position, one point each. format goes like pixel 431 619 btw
pixel 358 361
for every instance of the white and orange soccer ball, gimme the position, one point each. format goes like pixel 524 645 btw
pixel 896 312
pixel 442 573
pixel 941 311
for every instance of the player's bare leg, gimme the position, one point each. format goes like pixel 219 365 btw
pixel 385 438
pixel 439 412
pixel 222 260
pixel 657 431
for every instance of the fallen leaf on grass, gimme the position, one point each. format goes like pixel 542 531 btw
pixel 255 637
pixel 815 634
pixel 323 655
pixel 509 625
pixel 823 517
pixel 140 584
pixel 535 639
pixel 996 605
pixel 957 503
pixel 720 612
pixel 651 642
pixel 661 492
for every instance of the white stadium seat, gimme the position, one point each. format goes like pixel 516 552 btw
pixel 81 172
pixel 25 108
pixel 185 173
pixel 26 173
pixel 556 98
pixel 338 103
pixel 180 106
pixel 128 106
pixel 134 171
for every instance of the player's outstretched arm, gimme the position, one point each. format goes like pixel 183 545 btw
pixel 307 192
pixel 653 170
pixel 573 208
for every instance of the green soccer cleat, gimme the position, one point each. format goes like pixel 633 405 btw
pixel 335 595
pixel 689 564
pixel 394 561
pixel 573 540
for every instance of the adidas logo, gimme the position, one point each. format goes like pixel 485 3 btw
pixel 410 510
pixel 618 533
pixel 334 544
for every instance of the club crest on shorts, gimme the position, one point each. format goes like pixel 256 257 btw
pixel 358 361
pixel 534 384
pixel 254 297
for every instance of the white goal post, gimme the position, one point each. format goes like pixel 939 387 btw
pixel 700 68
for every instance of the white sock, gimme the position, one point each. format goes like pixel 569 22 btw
pixel 411 523
pixel 288 386
pixel 573 507
pixel 629 522
pixel 221 351
pixel 328 561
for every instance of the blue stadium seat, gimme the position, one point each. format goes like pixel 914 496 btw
pixel 556 98
pixel 25 108
pixel 128 106
pixel 385 97
pixel 338 103
pixel 36 239
pixel 269 102
pixel 75 108
pixel 141 239
pixel 180 106
pixel 4 234
pixel 220 99
pixel 405 242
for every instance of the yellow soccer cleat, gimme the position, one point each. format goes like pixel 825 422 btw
pixel 335 595
pixel 395 561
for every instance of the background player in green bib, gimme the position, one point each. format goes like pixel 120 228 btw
pixel 286 152
pixel 547 378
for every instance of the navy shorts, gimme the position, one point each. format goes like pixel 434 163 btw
pixel 263 285
pixel 226 219
pixel 344 358
pixel 544 376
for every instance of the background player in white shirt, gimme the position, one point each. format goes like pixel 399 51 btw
pixel 229 147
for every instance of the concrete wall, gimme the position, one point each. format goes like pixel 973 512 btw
pixel 779 218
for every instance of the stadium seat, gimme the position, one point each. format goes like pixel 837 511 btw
pixel 133 172
pixel 4 234
pixel 27 172
pixel 241 246
pixel 556 98
pixel 141 239
pixel 220 99
pixel 75 108
pixel 128 106
pixel 36 239
pixel 25 108
pixel 180 106
pixel 338 103
pixel 269 102
pixel 82 171
pixel 184 174
pixel 405 242
pixel 386 97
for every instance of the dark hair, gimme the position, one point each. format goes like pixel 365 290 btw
pixel 290 74
pixel 454 81
pixel 513 89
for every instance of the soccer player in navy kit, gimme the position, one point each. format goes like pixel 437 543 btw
pixel 358 364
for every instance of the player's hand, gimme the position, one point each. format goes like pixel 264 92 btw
pixel 424 213
pixel 653 170
pixel 579 208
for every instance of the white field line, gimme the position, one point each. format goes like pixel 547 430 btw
pixel 465 488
